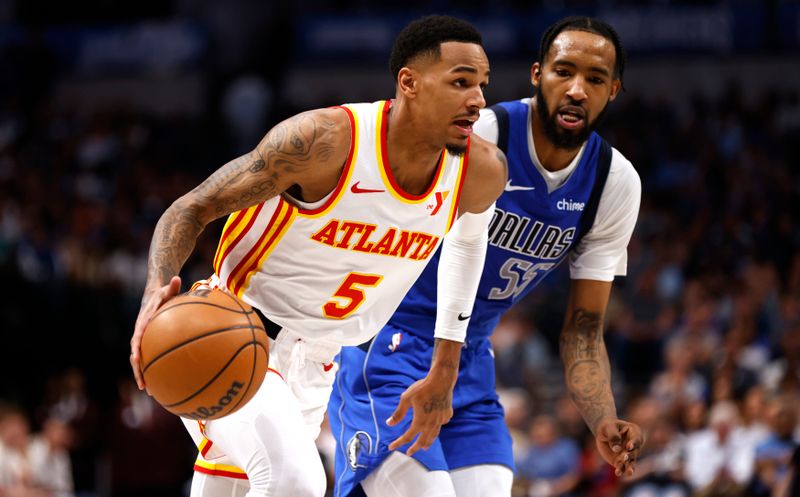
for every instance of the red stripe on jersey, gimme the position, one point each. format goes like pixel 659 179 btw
pixel 220 472
pixel 347 165
pixel 277 233
pixel 237 270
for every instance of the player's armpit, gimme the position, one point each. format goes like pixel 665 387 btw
pixel 487 171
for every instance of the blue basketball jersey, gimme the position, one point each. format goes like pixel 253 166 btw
pixel 530 234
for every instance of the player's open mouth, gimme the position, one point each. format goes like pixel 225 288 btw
pixel 571 117
pixel 464 125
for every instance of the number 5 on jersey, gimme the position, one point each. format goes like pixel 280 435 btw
pixel 351 294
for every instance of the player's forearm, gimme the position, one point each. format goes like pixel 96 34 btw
pixel 173 241
pixel 586 367
pixel 459 274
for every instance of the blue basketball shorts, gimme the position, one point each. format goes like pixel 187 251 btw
pixel 367 391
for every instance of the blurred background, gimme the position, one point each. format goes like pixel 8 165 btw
pixel 111 110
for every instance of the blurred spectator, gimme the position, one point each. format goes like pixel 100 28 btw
pixel 17 475
pixel 246 106
pixel 570 419
pixel 48 455
pixel 551 467
pixel 718 461
pixel 67 400
pixel 165 449
pixel 597 478
pixel 659 471
pixel 789 486
pixel 517 407
pixel 678 385
pixel 754 428
pixel 773 456
pixel 693 418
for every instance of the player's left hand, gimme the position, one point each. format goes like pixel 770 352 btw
pixel 619 442
pixel 432 402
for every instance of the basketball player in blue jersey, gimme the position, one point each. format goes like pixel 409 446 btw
pixel 333 216
pixel 569 195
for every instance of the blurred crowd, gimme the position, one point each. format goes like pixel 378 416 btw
pixel 703 333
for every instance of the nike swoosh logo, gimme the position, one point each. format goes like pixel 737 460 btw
pixel 513 188
pixel 463 318
pixel 355 189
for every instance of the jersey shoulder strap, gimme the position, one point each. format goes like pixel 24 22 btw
pixel 589 214
pixel 502 126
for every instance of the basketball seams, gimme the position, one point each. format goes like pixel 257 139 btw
pixel 256 344
pixel 212 380
pixel 194 302
pixel 198 337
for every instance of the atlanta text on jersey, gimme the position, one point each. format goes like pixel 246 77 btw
pixel 359 237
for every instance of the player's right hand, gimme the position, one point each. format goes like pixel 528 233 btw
pixel 619 442
pixel 151 301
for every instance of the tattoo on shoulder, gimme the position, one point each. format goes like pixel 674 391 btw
pixel 291 147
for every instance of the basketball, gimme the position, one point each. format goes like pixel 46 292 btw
pixel 204 354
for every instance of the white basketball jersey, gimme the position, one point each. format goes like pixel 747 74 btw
pixel 337 271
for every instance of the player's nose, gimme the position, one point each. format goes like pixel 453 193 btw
pixel 576 90
pixel 476 99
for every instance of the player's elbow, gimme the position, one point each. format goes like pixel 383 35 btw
pixel 190 211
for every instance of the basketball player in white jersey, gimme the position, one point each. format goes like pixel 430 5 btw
pixel 332 218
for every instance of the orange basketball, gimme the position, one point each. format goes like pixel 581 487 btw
pixel 204 354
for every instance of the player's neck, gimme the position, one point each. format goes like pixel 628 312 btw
pixel 551 157
pixel 413 159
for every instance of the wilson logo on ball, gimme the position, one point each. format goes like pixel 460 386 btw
pixel 207 412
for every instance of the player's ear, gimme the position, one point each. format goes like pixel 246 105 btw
pixel 407 82
pixel 616 84
pixel 536 74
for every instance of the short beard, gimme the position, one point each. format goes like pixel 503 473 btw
pixel 562 138
pixel 456 150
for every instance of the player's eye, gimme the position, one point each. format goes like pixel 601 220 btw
pixel 461 82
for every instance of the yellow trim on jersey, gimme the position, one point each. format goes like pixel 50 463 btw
pixel 204 445
pixel 219 469
pixel 259 253
pixel 236 223
pixel 347 171
pixel 456 194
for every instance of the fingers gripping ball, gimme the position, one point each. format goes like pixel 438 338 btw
pixel 204 354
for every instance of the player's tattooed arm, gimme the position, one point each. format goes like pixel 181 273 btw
pixel 588 375
pixel 586 366
pixel 317 140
